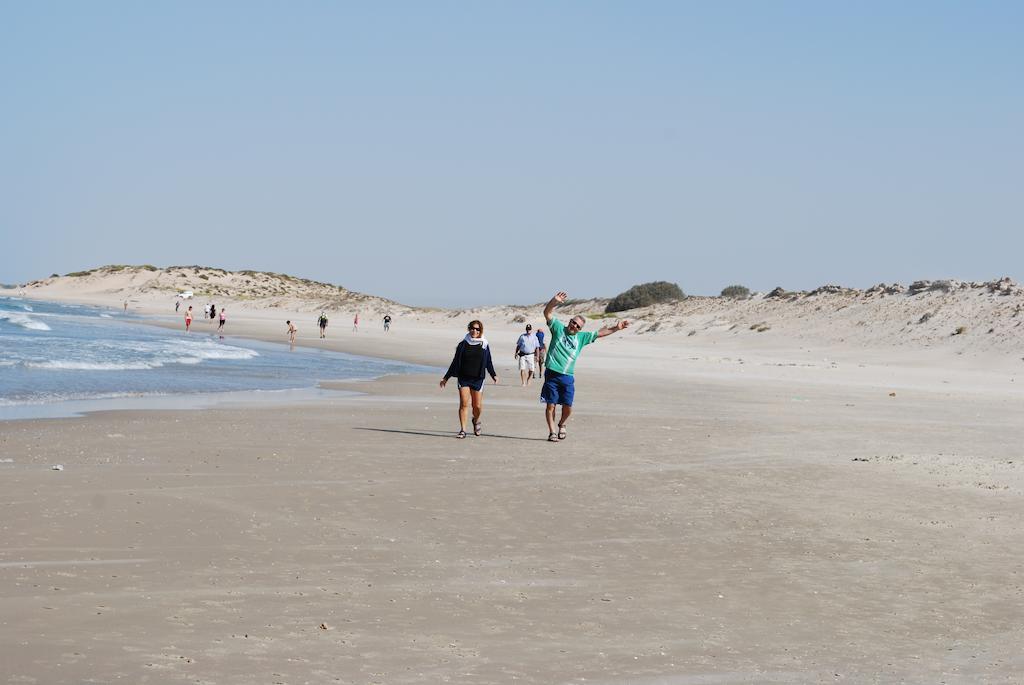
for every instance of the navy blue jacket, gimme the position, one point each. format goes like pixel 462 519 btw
pixel 453 369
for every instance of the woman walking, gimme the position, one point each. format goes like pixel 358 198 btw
pixel 471 361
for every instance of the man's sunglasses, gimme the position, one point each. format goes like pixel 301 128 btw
pixel 575 325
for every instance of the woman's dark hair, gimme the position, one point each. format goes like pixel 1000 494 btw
pixel 476 322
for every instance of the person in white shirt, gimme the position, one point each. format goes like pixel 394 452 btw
pixel 526 353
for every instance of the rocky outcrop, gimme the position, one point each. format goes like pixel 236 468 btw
pixel 1004 286
pixel 883 289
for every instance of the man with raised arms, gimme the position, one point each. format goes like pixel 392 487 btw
pixel 567 341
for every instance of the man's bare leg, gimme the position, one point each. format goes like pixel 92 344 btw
pixel 566 413
pixel 549 414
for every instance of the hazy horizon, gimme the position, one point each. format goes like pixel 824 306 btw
pixel 456 155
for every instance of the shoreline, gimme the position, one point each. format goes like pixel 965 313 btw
pixel 196 400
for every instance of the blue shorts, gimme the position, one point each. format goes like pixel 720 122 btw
pixel 558 388
pixel 472 383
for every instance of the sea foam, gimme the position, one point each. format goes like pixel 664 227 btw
pixel 23 320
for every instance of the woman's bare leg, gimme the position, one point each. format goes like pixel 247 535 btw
pixel 478 406
pixel 464 401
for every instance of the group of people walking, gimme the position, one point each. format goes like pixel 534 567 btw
pixel 209 312
pixel 323 320
pixel 472 364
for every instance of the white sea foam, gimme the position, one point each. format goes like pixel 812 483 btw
pixel 70 365
pixel 229 353
pixel 152 357
pixel 27 307
pixel 106 316
pixel 23 320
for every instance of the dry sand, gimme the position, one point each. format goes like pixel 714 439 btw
pixel 727 508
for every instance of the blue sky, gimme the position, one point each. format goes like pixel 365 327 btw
pixel 455 154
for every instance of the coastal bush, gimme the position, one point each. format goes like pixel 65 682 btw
pixel 960 330
pixel 77 274
pixel 736 292
pixel 645 294
pixel 54 275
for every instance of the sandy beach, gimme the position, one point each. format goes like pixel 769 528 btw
pixel 792 506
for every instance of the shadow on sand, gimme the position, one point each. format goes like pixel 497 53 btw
pixel 445 434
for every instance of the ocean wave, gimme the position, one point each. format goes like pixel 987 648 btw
pixel 23 320
pixel 50 397
pixel 69 365
pixel 144 357
pixel 229 353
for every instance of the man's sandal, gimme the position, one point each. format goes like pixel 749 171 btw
pixel 552 437
pixel 561 432
pixel 476 428
pixel 460 435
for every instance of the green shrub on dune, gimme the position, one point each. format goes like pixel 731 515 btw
pixel 645 294
pixel 736 292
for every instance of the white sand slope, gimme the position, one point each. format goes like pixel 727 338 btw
pixel 972 319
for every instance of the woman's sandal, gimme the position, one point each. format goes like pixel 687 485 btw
pixel 561 432
pixel 476 428
pixel 552 437
pixel 460 435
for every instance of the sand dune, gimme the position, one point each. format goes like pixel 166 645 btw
pixel 971 318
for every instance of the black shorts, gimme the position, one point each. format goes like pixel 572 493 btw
pixel 472 383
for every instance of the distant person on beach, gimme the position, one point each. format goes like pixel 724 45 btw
pixel 567 341
pixel 322 323
pixel 387 323
pixel 188 318
pixel 177 304
pixel 292 330
pixel 213 312
pixel 355 323
pixel 471 361
pixel 541 351
pixel 526 355
pixel 223 318
pixel 126 305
